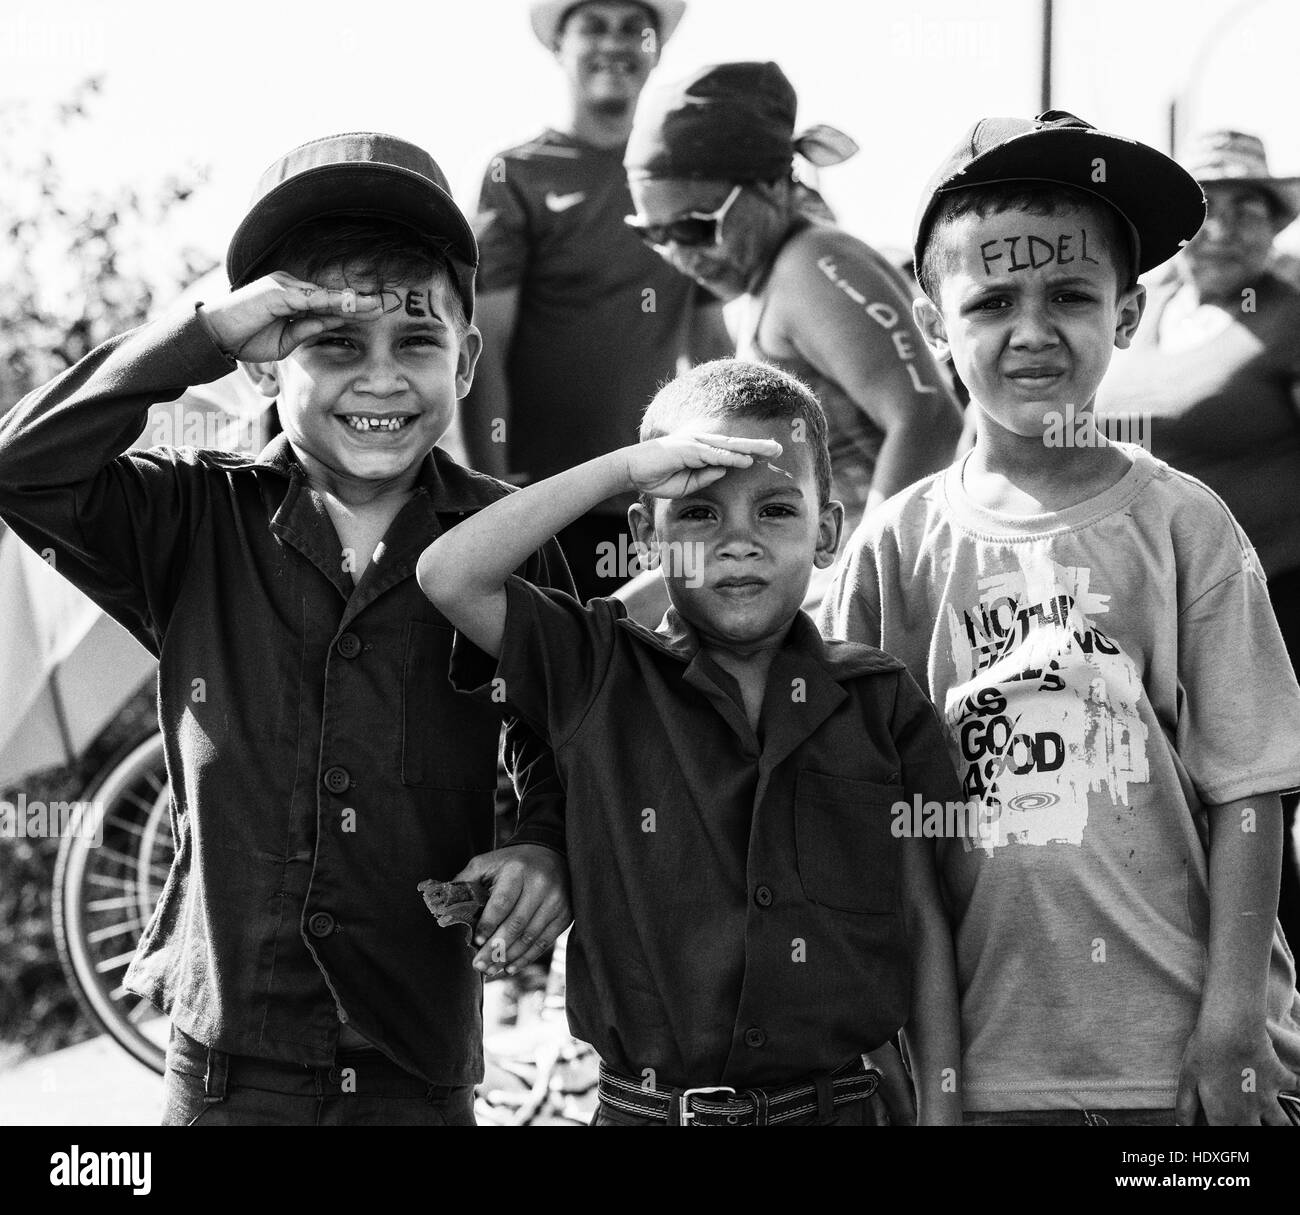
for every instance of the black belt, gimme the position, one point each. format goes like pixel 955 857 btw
pixel 372 1073
pixel 709 1106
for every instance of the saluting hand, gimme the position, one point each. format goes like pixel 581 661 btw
pixel 687 460
pixel 266 320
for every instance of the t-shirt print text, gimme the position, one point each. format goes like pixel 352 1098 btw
pixel 1044 709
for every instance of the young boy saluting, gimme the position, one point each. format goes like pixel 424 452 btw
pixel 746 925
pixel 320 762
pixel 1095 629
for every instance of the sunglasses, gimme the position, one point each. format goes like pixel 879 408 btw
pixel 693 228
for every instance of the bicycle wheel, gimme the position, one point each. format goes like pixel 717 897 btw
pixel 106 891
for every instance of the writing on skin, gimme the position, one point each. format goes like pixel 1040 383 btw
pixel 1034 252
pixel 415 302
pixel 884 316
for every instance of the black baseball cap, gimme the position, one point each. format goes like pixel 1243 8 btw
pixel 362 173
pixel 1158 197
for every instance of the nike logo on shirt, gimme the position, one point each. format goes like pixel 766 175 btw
pixel 562 202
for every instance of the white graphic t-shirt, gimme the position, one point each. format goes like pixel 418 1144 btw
pixel 1104 673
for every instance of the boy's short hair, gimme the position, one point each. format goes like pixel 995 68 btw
pixel 378 249
pixel 1035 197
pixel 731 388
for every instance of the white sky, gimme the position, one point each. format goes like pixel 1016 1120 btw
pixel 234 84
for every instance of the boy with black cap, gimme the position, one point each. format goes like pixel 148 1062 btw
pixel 320 763
pixel 1095 629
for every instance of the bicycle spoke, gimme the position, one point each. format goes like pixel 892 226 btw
pixel 112 854
pixel 102 879
pixel 143 1011
pixel 118 904
pixel 132 926
pixel 122 959
pixel 143 804
pixel 124 824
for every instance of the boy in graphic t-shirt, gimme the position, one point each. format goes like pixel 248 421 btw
pixel 1095 629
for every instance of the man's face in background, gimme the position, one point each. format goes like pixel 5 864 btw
pixel 1233 246
pixel 607 49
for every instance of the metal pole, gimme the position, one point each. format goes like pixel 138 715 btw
pixel 1045 89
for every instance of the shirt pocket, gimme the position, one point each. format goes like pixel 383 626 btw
pixel 449 740
pixel 847 855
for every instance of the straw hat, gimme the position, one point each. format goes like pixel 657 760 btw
pixel 547 16
pixel 1232 156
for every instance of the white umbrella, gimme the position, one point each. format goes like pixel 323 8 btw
pixel 66 669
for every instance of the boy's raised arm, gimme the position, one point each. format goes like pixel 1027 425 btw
pixel 464 571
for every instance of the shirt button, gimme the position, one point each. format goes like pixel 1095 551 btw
pixel 337 779
pixel 755 1037
pixel 763 896
pixel 349 645
pixel 321 924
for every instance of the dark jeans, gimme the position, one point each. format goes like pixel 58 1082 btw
pixel 1069 1118
pixel 205 1087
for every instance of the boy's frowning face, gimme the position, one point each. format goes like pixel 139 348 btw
pixel 1029 311
pixel 370 399
pixel 737 555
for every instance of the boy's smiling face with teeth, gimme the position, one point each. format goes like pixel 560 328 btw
pixel 368 400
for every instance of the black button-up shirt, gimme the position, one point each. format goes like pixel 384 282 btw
pixel 321 764
pixel 737 903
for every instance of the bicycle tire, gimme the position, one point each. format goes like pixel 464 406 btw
pixel 124 803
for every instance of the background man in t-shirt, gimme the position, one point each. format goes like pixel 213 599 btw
pixel 580 321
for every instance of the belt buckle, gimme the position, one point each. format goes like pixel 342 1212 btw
pixel 684 1110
